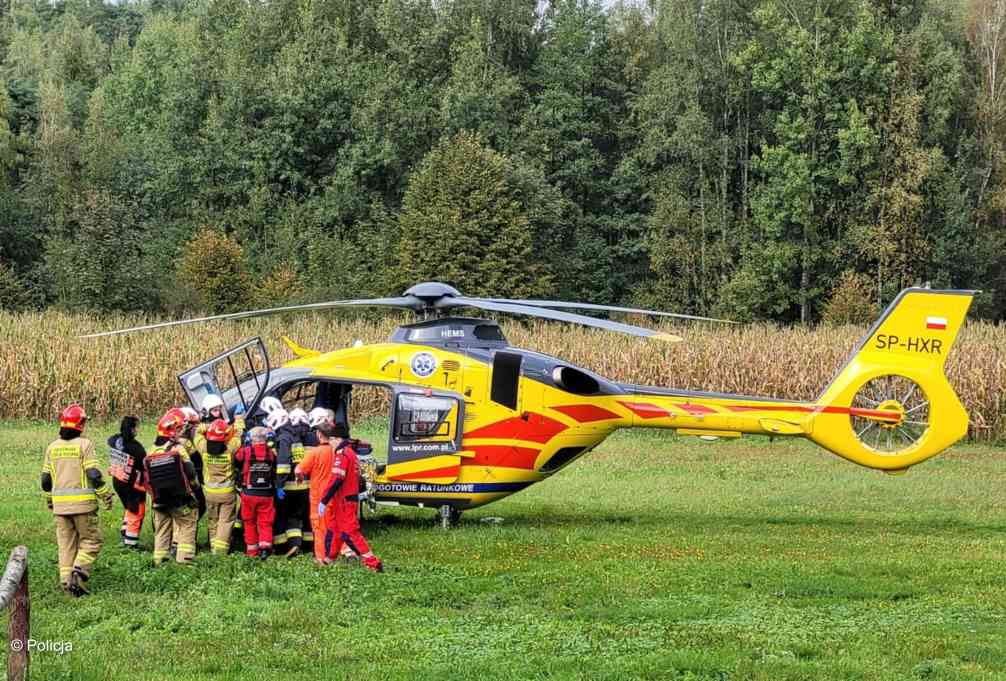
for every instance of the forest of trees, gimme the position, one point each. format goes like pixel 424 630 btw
pixel 759 159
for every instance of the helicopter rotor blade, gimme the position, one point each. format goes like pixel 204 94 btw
pixel 611 308
pixel 546 313
pixel 406 302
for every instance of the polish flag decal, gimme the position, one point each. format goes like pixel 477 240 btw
pixel 936 323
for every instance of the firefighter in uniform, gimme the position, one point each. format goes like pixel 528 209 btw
pixel 126 468
pixel 187 439
pixel 256 463
pixel 218 444
pixel 72 484
pixel 171 477
pixel 292 508
pixel 339 504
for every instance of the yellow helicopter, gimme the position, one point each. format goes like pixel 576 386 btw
pixel 474 419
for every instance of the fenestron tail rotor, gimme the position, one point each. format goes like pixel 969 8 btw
pixel 890 394
pixel 439 298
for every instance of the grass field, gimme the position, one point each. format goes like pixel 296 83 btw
pixel 654 557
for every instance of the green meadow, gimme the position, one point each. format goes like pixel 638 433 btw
pixel 656 557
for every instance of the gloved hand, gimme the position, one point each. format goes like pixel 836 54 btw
pixel 321 508
pixel 281 494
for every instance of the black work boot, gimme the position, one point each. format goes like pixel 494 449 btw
pixel 76 586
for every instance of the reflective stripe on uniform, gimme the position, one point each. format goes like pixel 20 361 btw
pixel 219 488
pixel 68 495
pixel 309 536
pixel 293 534
pixel 84 558
pixel 283 469
pixel 296 486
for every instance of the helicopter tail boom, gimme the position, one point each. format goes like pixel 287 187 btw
pixel 889 407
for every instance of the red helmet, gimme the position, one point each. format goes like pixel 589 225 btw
pixel 219 431
pixel 73 417
pixel 171 423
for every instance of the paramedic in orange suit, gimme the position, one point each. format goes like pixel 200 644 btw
pixel 317 465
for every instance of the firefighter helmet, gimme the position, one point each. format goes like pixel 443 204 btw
pixel 73 417
pixel 270 404
pixel 219 431
pixel 190 414
pixel 171 423
pixel 277 419
pixel 298 417
pixel 211 402
pixel 318 416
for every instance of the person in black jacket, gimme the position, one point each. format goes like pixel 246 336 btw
pixel 127 479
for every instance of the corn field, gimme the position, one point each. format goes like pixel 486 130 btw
pixel 44 365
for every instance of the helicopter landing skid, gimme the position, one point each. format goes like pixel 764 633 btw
pixel 449 516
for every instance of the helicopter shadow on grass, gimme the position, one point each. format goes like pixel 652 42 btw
pixel 863 523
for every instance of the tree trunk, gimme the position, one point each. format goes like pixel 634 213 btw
pixel 14 592
pixel 805 277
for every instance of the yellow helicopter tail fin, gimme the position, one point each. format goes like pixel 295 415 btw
pixel 891 405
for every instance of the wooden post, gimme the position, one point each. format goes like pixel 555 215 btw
pixel 14 592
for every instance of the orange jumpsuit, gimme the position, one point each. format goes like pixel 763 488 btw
pixel 317 465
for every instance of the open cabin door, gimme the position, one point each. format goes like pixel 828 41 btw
pixel 239 375
pixel 425 437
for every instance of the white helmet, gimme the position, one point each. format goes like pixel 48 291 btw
pixel 190 414
pixel 331 415
pixel 298 417
pixel 318 416
pixel 277 418
pixel 270 404
pixel 211 401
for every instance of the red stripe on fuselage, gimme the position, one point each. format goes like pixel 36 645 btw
pixel 502 455
pixel 537 428
pixel 694 409
pixel 645 410
pixel 586 413
pixel 852 411
pixel 447 472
